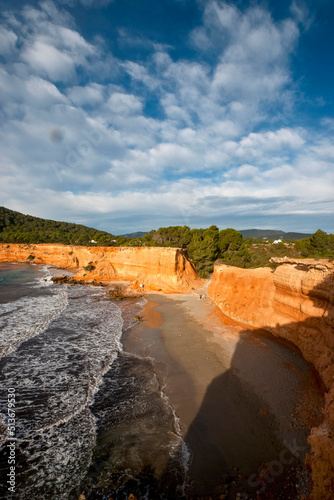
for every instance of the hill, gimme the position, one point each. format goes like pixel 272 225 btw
pixel 19 228
pixel 138 234
pixel 204 246
pixel 273 234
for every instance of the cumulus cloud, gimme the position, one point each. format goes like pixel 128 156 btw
pixel 49 61
pixel 48 44
pixel 124 104
pixel 253 64
pixel 80 139
pixel 140 73
pixel 91 94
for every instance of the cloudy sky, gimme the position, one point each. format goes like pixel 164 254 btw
pixel 130 115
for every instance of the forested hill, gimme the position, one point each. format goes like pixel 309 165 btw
pixel 19 228
pixel 272 234
pixel 204 246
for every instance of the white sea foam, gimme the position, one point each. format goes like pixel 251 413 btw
pixel 12 306
pixel 48 273
pixel 57 374
pixel 57 458
pixel 130 310
pixel 3 427
pixel 67 361
pixel 28 317
pixel 74 338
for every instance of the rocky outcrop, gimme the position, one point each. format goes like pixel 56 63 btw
pixel 295 301
pixel 115 292
pixel 157 269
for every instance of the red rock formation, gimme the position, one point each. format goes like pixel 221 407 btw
pixel 165 269
pixel 296 302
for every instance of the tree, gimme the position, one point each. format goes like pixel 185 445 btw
pixel 320 244
pixel 230 240
pixel 203 249
pixel 319 241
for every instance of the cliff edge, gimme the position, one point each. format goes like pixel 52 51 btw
pixel 296 302
pixel 158 269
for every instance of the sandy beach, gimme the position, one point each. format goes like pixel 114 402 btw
pixel 245 400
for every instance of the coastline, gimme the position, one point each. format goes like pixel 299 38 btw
pixel 320 446
pixel 240 397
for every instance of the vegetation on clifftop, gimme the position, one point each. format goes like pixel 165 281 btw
pixel 207 246
pixel 204 246
pixel 319 246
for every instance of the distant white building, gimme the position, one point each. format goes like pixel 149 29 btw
pixel 93 241
pixel 277 241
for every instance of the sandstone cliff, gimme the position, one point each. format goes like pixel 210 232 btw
pixel 165 269
pixel 296 302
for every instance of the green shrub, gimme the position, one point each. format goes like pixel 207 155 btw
pixel 89 267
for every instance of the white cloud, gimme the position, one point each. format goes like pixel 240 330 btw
pixel 213 146
pixel 8 41
pixel 247 172
pixel 71 40
pixel 124 104
pixel 281 173
pixel 173 156
pixel 253 53
pixel 224 129
pixel 140 73
pixel 272 140
pixel 19 94
pixel 324 149
pixel 43 92
pixel 301 13
pixel 49 61
pixel 200 39
pixel 91 94
pixel 50 46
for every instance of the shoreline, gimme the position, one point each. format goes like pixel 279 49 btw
pixel 236 409
pixel 245 331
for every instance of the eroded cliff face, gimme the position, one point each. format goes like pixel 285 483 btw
pixel 165 269
pixel 296 302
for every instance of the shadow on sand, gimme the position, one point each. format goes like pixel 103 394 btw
pixel 239 442
pixel 244 441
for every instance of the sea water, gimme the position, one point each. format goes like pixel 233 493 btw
pixel 87 416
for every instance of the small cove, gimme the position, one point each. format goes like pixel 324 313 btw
pixel 245 401
pixel 189 406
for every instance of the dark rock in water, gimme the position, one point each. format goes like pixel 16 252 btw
pixel 120 293
pixel 69 280
pixel 63 279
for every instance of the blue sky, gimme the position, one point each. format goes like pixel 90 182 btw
pixel 131 115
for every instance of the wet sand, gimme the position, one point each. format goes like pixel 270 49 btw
pixel 240 395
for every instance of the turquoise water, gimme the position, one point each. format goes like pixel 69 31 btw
pixel 15 280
